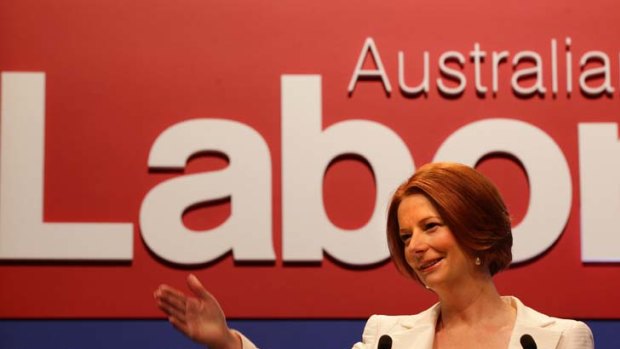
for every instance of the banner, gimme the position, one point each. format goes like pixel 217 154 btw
pixel 256 145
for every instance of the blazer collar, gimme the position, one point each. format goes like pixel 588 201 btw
pixel 418 331
pixel 536 324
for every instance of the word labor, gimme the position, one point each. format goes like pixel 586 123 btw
pixel 307 150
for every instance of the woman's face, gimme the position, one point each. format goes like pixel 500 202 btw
pixel 430 247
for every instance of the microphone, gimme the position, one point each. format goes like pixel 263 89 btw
pixel 527 342
pixel 385 342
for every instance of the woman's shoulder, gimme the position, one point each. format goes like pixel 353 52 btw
pixel 530 315
pixel 568 333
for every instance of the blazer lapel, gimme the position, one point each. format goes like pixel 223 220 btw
pixel 537 325
pixel 418 332
pixel 420 337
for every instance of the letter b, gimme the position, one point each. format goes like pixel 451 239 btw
pixel 307 150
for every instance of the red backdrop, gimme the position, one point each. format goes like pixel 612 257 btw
pixel 118 73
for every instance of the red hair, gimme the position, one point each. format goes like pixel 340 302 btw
pixel 469 204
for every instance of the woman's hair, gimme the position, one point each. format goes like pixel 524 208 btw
pixel 469 204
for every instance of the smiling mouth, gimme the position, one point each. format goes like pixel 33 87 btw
pixel 430 264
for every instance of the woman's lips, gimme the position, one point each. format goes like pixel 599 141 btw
pixel 429 265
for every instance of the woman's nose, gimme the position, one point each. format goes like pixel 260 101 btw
pixel 417 244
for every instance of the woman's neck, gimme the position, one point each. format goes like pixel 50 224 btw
pixel 475 302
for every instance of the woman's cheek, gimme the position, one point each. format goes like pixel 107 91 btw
pixel 409 260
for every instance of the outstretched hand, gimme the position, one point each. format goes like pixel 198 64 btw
pixel 200 318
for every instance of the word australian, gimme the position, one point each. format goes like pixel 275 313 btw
pixel 527 68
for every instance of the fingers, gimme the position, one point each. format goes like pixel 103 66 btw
pixel 172 312
pixel 179 325
pixel 205 303
pixel 196 287
pixel 171 301
pixel 178 305
pixel 200 318
pixel 172 296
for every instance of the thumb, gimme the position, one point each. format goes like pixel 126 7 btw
pixel 196 287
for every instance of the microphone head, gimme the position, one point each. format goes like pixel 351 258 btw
pixel 385 342
pixel 527 342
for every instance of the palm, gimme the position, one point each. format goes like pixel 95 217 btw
pixel 200 318
pixel 204 319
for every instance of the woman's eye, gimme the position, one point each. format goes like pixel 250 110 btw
pixel 431 226
pixel 405 237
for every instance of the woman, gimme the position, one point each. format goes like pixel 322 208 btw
pixel 449 229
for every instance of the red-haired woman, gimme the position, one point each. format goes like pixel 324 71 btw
pixel 447 228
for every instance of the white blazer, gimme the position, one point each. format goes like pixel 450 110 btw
pixel 418 331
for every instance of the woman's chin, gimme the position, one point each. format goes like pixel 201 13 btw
pixel 432 281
